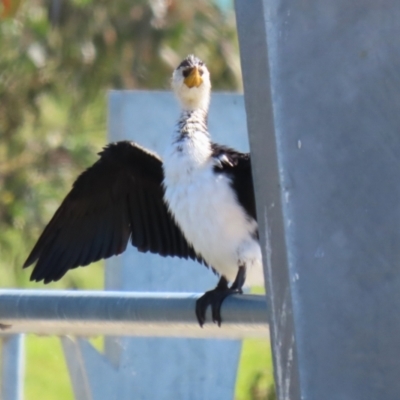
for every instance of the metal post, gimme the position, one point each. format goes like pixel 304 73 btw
pixel 322 101
pixel 263 143
pixel 12 367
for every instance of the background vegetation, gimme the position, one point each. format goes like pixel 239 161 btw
pixel 58 58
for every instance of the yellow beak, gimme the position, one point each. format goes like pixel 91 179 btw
pixel 193 79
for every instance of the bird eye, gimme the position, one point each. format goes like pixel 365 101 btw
pixel 201 72
pixel 186 72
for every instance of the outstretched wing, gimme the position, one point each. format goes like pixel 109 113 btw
pixel 118 198
pixel 238 166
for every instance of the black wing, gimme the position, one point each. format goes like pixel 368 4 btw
pixel 117 198
pixel 238 166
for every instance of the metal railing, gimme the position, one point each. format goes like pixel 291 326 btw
pixel 86 313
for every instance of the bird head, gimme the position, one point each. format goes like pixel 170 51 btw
pixel 191 83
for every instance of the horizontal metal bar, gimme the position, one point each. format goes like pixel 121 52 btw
pixel 87 313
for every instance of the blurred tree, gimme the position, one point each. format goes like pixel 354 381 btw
pixel 9 8
pixel 58 58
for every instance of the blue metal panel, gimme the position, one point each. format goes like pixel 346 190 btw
pixel 333 168
pixel 195 369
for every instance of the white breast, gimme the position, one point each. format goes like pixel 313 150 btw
pixel 205 207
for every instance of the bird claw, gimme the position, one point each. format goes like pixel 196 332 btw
pixel 213 298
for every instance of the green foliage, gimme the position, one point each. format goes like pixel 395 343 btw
pixel 57 61
pixel 46 352
pixel 255 375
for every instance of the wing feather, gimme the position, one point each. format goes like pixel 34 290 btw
pixel 118 198
pixel 238 166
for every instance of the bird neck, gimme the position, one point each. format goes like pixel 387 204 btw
pixel 190 148
pixel 193 123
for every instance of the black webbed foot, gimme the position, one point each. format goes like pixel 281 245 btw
pixel 215 298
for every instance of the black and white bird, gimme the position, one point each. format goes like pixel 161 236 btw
pixel 197 202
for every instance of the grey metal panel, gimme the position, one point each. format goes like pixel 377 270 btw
pixel 149 118
pixel 62 312
pixel 210 366
pixel 92 375
pixel 334 73
pixel 12 367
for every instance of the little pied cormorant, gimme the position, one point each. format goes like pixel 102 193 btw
pixel 198 203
